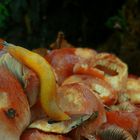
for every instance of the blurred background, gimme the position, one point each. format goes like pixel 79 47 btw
pixel 104 25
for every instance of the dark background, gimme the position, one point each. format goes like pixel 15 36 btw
pixel 35 21
pixel 105 25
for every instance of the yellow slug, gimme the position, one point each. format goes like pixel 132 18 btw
pixel 47 80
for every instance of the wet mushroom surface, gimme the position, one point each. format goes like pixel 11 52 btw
pixel 68 93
